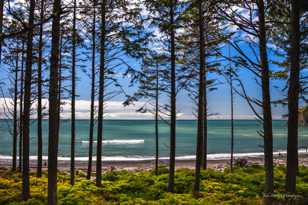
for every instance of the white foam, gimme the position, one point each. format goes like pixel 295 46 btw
pixel 218 156
pixel 118 142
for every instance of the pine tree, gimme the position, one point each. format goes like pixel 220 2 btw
pixel 283 37
pixel 293 97
pixel 27 104
pixel 73 131
pixel 151 85
pixel 40 94
pixel 199 46
pixel 11 60
pixel 231 74
pixel 101 94
pixel 21 101
pixel 253 28
pixel 165 17
pixel 172 99
pixel 54 105
pixel 92 108
pixel 1 26
pixel 15 120
pixel 201 112
pixel 120 34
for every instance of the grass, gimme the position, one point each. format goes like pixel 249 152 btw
pixel 243 186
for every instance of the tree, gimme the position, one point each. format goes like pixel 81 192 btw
pixel 293 97
pixel 21 100
pixel 120 36
pixel 92 108
pixel 200 30
pixel 39 95
pixel 266 103
pixel 172 98
pixel 151 85
pixel 15 133
pixel 202 88
pixel 101 94
pixel 286 37
pixel 73 131
pixel 258 65
pixel 54 105
pixel 11 60
pixel 230 74
pixel 1 26
pixel 27 104
pixel 15 120
pixel 189 40
pixel 165 15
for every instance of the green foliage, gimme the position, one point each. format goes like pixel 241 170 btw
pixel 243 186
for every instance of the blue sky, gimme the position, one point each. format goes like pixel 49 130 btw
pixel 218 100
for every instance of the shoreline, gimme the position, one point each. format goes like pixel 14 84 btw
pixel 147 164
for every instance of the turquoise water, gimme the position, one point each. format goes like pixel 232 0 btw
pixel 135 138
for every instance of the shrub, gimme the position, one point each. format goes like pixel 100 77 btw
pixel 244 186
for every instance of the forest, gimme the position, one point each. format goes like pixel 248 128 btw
pixel 151 53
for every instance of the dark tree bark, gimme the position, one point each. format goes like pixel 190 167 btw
pixel 73 131
pixel 172 100
pixel 101 95
pixel 91 130
pixel 232 118
pixel 60 74
pixel 205 127
pixel 15 123
pixel 27 105
pixel 266 105
pixel 205 120
pixel 156 120
pixel 1 26
pixel 39 98
pixel 293 97
pixel 21 99
pixel 201 115
pixel 54 105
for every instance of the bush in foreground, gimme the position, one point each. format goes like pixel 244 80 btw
pixel 243 186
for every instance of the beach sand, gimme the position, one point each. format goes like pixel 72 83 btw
pixel 218 164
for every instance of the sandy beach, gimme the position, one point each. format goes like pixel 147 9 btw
pixel 219 164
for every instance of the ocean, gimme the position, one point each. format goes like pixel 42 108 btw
pixel 135 139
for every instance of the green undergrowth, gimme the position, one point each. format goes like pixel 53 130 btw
pixel 243 186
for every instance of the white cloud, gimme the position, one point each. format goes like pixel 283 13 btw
pixel 113 109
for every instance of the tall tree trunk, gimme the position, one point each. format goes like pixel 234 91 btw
pixel 156 119
pixel 101 95
pixel 1 26
pixel 54 105
pixel 172 100
pixel 27 105
pixel 266 105
pixel 73 134
pixel 60 76
pixel 21 99
pixel 293 97
pixel 91 130
pixel 200 131
pixel 232 118
pixel 39 98
pixel 15 134
pixel 205 120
